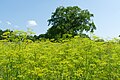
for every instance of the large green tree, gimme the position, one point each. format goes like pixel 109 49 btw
pixel 69 20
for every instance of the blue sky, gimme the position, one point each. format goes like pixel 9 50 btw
pixel 20 14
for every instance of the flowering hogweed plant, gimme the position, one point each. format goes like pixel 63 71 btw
pixel 76 59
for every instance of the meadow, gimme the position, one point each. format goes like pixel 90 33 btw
pixel 74 59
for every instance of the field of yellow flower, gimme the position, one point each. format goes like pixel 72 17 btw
pixel 76 59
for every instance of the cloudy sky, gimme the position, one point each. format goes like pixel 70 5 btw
pixel 21 14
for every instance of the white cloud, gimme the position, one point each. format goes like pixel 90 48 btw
pixel 31 23
pixel 9 23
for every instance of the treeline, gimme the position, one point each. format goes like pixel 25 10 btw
pixel 29 36
pixel 18 35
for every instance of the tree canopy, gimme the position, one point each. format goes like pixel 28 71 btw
pixel 69 20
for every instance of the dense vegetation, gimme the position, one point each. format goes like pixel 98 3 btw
pixel 62 53
pixel 18 35
pixel 74 59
